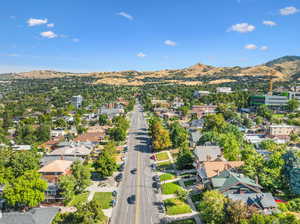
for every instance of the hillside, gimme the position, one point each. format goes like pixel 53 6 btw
pixel 285 69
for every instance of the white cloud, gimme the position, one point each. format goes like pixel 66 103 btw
pixel 269 23
pixel 242 28
pixel 290 10
pixel 170 43
pixel 50 25
pixel 76 40
pixel 36 22
pixel 125 15
pixel 264 48
pixel 251 47
pixel 141 55
pixel 48 34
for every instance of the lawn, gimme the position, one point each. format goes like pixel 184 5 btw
pixel 162 156
pixel 79 199
pixel 104 198
pixel 166 176
pixel 189 183
pixel 167 165
pixel 170 188
pixel 175 206
pixel 186 221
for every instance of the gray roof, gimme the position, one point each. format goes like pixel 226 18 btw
pixel 48 159
pixel 197 123
pixel 33 216
pixel 262 200
pixel 195 136
pixel 207 153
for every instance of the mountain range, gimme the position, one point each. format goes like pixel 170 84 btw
pixel 284 69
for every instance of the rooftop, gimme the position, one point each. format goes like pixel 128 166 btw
pixel 59 166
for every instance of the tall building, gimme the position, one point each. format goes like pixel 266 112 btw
pixel 274 100
pixel 77 101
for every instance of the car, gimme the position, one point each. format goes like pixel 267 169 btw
pixel 155 178
pixel 114 193
pixel 131 199
pixel 156 185
pixel 161 208
pixel 119 177
pixel 153 166
pixel 113 203
pixel 133 171
pixel 121 167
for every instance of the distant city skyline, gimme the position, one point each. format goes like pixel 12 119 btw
pixel 113 35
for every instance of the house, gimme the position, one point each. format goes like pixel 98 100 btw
pixel 21 147
pixel 194 137
pixel 33 216
pixel 77 101
pixel 200 93
pixel 228 182
pixel 93 137
pixel 57 132
pixel 211 169
pixel 202 110
pixel 49 145
pixel 112 112
pixel 52 171
pixel 160 103
pixel 78 150
pixel 205 153
pixel 283 131
pixel 264 202
pixel 177 103
pixel 225 90
pixel 197 124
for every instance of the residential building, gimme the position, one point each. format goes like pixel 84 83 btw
pixel 160 103
pixel 205 153
pixel 57 132
pixel 228 182
pixel 177 103
pixel 195 135
pixel 264 202
pixel 33 216
pixel 200 93
pixel 93 137
pixel 283 131
pixel 111 111
pixel 52 171
pixel 202 110
pixel 21 147
pixel 77 101
pixel 211 169
pixel 224 90
pixel 78 150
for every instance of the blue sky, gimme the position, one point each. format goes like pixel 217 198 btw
pixel 110 35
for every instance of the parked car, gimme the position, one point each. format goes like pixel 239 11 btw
pixel 121 167
pixel 114 193
pixel 131 199
pixel 113 203
pixel 155 178
pixel 153 166
pixel 161 208
pixel 119 177
pixel 156 185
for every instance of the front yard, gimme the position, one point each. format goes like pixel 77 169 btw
pixel 175 206
pixel 162 156
pixel 170 188
pixel 167 176
pixel 79 199
pixel 104 198
pixel 166 165
pixel 186 221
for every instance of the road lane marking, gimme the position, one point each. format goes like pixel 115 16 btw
pixel 137 208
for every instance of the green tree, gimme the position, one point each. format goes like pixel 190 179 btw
pixel 214 122
pixel 212 207
pixel 178 134
pixel 21 162
pixel 26 191
pixel 293 105
pixel 82 175
pixel 106 164
pixel 103 119
pixel 67 184
pixel 184 159
pixel 238 211
pixel 117 134
pixel 43 133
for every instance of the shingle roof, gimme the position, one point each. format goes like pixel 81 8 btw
pixel 34 216
pixel 207 153
pixel 213 168
pixel 59 166
pixel 227 179
pixel 195 136
pixel 80 150
pixel 263 200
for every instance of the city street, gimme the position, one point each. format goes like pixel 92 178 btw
pixel 144 211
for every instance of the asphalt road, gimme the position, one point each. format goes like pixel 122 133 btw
pixel 144 211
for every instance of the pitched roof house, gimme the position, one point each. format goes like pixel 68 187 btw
pixel 205 153
pixel 52 171
pixel 262 201
pixel 33 216
pixel 94 137
pixel 214 168
pixel 228 182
